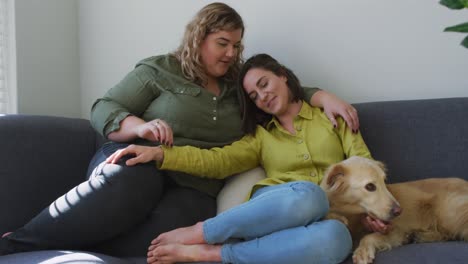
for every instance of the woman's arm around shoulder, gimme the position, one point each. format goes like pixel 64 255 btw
pixel 333 106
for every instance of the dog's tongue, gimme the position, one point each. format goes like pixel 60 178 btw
pixel 380 222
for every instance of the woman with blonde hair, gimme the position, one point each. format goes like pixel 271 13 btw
pixel 184 98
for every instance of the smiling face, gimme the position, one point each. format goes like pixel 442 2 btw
pixel 219 50
pixel 267 90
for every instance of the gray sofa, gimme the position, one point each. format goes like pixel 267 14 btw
pixel 43 157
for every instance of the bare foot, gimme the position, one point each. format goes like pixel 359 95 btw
pixel 186 235
pixel 172 253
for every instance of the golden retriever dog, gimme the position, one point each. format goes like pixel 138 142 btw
pixel 419 211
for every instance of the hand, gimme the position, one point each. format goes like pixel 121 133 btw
pixel 333 106
pixel 374 225
pixel 143 154
pixel 156 130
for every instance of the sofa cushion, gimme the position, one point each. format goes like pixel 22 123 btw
pixel 64 256
pixel 237 188
pixel 427 253
pixel 72 257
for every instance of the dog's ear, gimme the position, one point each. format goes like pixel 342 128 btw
pixel 333 176
pixel 381 165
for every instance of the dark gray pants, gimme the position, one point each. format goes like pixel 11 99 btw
pixel 117 211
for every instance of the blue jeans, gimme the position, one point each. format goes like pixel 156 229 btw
pixel 280 224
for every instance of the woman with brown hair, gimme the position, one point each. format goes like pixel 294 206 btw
pixel 283 220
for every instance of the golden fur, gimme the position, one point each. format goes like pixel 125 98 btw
pixel 419 211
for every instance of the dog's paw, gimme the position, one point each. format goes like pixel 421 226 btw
pixel 363 255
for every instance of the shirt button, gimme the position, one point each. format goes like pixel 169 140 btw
pixel 214 111
pixel 214 118
pixel 306 156
pixel 312 174
pixel 299 141
pixel 214 98
pixel 181 92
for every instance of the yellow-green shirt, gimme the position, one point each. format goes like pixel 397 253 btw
pixel 285 157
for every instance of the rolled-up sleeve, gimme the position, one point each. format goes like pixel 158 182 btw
pixel 309 92
pixel 131 96
pixel 353 143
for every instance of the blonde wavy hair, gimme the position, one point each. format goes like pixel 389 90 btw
pixel 210 19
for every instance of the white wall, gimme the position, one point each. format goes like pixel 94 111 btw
pixel 47 57
pixel 362 50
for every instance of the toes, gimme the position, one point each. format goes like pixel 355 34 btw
pixel 155 241
pixel 151 260
pixel 152 247
pixel 6 234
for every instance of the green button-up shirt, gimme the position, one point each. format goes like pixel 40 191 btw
pixel 156 88
pixel 285 157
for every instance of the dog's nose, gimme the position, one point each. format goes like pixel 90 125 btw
pixel 396 210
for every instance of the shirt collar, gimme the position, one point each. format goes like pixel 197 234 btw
pixel 305 112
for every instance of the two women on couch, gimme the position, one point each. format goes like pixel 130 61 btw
pixel 185 98
pixel 283 220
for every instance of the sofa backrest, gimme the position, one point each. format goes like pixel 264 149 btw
pixel 42 157
pixel 418 139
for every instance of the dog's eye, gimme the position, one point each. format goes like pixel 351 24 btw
pixel 371 187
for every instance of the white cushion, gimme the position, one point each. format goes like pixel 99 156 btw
pixel 237 188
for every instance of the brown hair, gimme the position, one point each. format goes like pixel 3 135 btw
pixel 250 113
pixel 210 19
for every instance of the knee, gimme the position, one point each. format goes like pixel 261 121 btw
pixel 128 181
pixel 335 242
pixel 308 202
pixel 129 175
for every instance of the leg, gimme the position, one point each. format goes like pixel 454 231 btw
pixel 178 207
pixel 326 241
pixel 271 209
pixel 115 194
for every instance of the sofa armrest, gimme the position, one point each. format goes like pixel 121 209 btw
pixel 42 158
